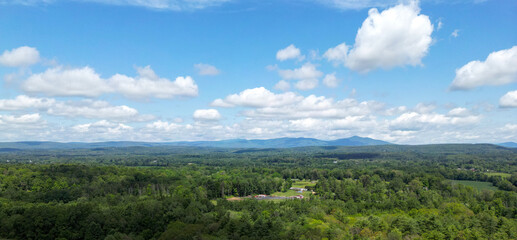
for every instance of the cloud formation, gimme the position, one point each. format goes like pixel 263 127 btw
pixel 206 115
pixel 257 97
pixel 20 57
pixel 74 109
pixel 509 100
pixel 85 82
pixel 59 81
pixel 337 54
pixel 397 36
pixel 148 85
pixel 499 68
pixel 307 76
pixel 290 52
pixel 330 80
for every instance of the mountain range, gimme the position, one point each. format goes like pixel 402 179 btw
pixel 232 143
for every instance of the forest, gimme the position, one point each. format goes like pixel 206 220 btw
pixel 449 191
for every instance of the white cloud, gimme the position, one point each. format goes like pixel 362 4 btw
pixel 290 105
pixel 257 97
pixel 337 54
pixel 164 126
pixel 440 24
pixel 413 121
pixel 148 85
pixel 20 57
pixel 73 109
pixel 397 36
pixel 330 80
pixel 307 71
pixel 424 107
pixel 97 110
pixel 85 82
pixel 509 100
pixel 307 76
pixel 510 127
pixel 23 102
pixel 455 33
pixel 207 115
pixel 206 69
pixel 290 52
pixel 172 5
pixel 103 129
pixel 282 85
pixel 67 82
pixel 23 119
pixel 499 68
pixel 306 84
pixel 317 107
pixel 459 112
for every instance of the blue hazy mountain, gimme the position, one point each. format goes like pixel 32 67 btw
pixel 232 143
pixel 508 144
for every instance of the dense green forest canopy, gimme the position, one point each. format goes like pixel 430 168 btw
pixel 372 192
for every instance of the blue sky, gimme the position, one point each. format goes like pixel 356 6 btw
pixel 168 70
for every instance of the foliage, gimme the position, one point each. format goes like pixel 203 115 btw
pixel 180 193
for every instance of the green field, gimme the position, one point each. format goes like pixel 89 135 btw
pixel 303 184
pixel 291 193
pixel 476 184
pixel 504 175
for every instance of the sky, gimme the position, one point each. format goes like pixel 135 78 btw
pixel 407 72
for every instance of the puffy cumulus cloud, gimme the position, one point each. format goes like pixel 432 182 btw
pixel 307 76
pixel 164 126
pixel 24 102
pixel 330 80
pixel 84 109
pixel 170 5
pixel 397 36
pixel 282 85
pixel 97 110
pixel 317 107
pixel 307 71
pixel 404 127
pixel 20 120
pixel 498 68
pixel 509 100
pixel 290 52
pixel 290 105
pixel 148 84
pixel 459 112
pixel 102 130
pixel 355 4
pixel 59 81
pixel 206 69
pixel 337 54
pixel 20 57
pixel 257 97
pixel 306 84
pixel 206 115
pixel 424 107
pixel 413 121
pixel 85 82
